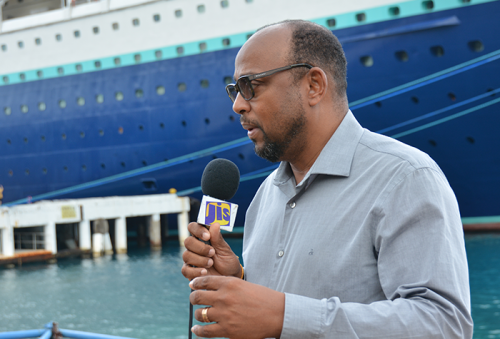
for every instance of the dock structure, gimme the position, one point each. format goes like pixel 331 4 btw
pixel 35 224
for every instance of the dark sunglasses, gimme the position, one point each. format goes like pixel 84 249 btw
pixel 244 83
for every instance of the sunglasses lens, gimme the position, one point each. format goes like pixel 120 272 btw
pixel 245 88
pixel 232 92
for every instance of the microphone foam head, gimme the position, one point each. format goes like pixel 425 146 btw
pixel 220 179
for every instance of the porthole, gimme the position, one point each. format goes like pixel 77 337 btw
pixel 470 140
pixel 141 128
pixel 20 44
pixel 27 172
pixel 99 98
pixel 231 118
pixel 367 61
pixel 42 106
pixel 103 166
pixel 44 170
pixel 160 90
pixel 378 104
pixel 115 26
pixel 180 50
pixel 394 10
pixel 60 70
pixel 120 130
pixel 360 17
pixel 63 136
pixel 22 76
pixel 139 93
pixel 24 108
pixel 226 42
pixel 7 110
pixel 123 164
pixel 428 5
pixel 156 17
pixel 38 41
pixel 162 125
pixel 9 142
pixel 241 156
pixel 201 8
pixel 95 30
pixel 184 123
pixel 452 96
pixel 4 48
pixel 119 96
pixel 437 51
pixel 476 46
pixel 117 61
pixel 224 3
pixel 331 22
pixel 82 135
pixel 5 79
pixel 137 58
pixel 80 101
pixel 42 138
pixel 101 132
pixel 203 46
pixel 11 173
pixel 97 64
pixel 25 140
pixel 181 87
pixel 144 163
pixel 158 54
pixel 58 37
pixel 207 121
pixel 401 56
pixel 228 80
pixel 178 13
pixel 77 34
pixel 78 67
pixel 84 168
pixel 433 142
pixel 204 83
pixel 62 103
pixel 135 22
pixel 39 74
pixel 65 168
pixel 415 100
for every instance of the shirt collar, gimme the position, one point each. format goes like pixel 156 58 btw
pixel 335 158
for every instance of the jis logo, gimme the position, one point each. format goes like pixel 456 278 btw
pixel 218 212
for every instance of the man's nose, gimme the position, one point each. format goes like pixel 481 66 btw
pixel 240 105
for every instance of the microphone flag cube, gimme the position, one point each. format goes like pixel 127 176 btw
pixel 214 210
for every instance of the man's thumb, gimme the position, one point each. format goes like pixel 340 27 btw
pixel 216 239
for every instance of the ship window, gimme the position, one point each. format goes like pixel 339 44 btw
pixel 162 125
pixel 24 108
pixel 80 101
pixel 433 142
pixel 115 26
pixel 394 10
pixel 476 46
pixel 203 46
pixel 181 87
pixel 78 67
pixel 65 168
pixel 207 121
pixel 158 54
pixel 367 61
pixel 60 70
pixel 101 132
pixel 77 34
pixel 452 96
pixel 180 50
pixel 135 22
pixel 20 44
pixel 437 51
pixel 137 58
pixel 184 123
pixel 5 79
pixel 141 128
pixel 139 93
pixel 224 3
pixel 402 56
pixel 99 98
pixel 7 110
pixel 22 76
pixel 95 29
pixel 39 74
pixel 471 140
pixel 9 142
pixel 123 164
pixel 415 100
pixel 63 136
pixel 360 17
pixel 103 166
pixel 27 172
pixel 62 103
pixel 201 9
pixel 428 4
pixel 120 130
pixel 4 48
pixel 42 138
pixel 25 140
pixel 38 41
pixel 226 42
pixel 58 37
pixel 156 17
pixel 11 173
pixel 82 135
pixel 42 106
pixel 231 117
pixel 160 90
pixel 178 13
pixel 119 96
pixel 44 170
pixel 228 80
pixel 204 83
pixel 331 22
pixel 117 61
pixel 97 64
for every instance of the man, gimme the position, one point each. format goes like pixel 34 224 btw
pixel 355 235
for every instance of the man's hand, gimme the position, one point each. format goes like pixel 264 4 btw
pixel 217 259
pixel 239 309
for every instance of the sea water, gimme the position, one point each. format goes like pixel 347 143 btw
pixel 143 295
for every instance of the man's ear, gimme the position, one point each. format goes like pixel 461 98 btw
pixel 318 85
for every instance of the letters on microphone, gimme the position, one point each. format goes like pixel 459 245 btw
pixel 214 210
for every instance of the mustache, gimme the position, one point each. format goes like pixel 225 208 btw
pixel 244 120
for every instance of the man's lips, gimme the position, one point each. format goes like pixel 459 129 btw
pixel 252 129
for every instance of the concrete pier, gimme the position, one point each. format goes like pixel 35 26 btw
pixel 121 235
pixel 154 231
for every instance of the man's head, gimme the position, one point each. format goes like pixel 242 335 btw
pixel 287 105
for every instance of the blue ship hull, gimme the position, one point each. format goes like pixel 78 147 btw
pixel 44 151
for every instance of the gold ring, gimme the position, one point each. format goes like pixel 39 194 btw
pixel 204 315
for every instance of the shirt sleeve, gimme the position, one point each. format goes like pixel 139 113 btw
pixel 422 269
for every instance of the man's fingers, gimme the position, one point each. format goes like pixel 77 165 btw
pixel 193 272
pixel 211 314
pixel 208 331
pixel 194 245
pixel 211 283
pixel 202 297
pixel 193 259
pixel 199 231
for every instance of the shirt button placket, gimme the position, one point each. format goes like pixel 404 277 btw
pixel 281 253
pixel 292 204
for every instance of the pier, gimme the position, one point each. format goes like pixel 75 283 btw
pixel 33 231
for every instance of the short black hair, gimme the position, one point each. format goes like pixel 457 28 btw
pixel 317 46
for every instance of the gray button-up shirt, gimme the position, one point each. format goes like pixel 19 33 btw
pixel 368 245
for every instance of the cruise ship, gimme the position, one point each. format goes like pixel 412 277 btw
pixel 126 97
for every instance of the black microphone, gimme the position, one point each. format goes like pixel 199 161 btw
pixel 219 183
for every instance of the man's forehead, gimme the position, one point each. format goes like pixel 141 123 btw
pixel 265 50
